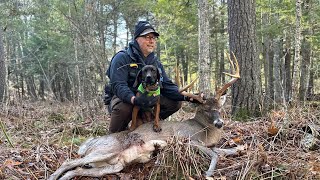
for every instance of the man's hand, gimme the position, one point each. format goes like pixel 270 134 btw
pixel 145 101
pixel 194 98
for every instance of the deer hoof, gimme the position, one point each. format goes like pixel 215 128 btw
pixel 157 128
pixel 209 174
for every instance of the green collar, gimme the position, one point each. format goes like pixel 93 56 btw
pixel 150 93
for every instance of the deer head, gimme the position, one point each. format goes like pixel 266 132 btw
pixel 210 109
pixel 219 97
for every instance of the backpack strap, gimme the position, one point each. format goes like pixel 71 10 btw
pixel 108 70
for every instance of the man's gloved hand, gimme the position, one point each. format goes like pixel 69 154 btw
pixel 145 101
pixel 198 99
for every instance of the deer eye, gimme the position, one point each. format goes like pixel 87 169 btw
pixel 216 114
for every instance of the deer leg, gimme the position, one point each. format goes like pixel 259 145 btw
pixel 93 172
pixel 214 159
pixel 213 163
pixel 156 125
pixel 214 154
pixel 66 166
pixel 226 152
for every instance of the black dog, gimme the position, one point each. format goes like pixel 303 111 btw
pixel 149 77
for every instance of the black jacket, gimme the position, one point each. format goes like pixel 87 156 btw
pixel 123 70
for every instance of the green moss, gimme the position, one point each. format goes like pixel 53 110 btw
pixel 38 124
pixel 77 141
pixel 244 115
pixel 56 118
pixel 99 131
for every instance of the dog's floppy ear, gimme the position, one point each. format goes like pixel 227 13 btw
pixel 158 74
pixel 138 79
pixel 159 77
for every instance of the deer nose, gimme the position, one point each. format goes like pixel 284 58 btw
pixel 218 123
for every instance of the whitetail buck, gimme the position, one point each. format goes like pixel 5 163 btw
pixel 111 153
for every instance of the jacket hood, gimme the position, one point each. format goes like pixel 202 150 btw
pixel 135 53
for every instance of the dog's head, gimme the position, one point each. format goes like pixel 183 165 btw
pixel 149 76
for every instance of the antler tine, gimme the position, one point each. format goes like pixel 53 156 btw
pixel 235 76
pixel 189 85
pixel 190 95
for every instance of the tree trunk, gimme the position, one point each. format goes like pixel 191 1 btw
pixel 222 78
pixel 288 78
pixel 21 84
pixel 246 92
pixel 310 91
pixel 268 69
pixel 184 63
pixel 306 56
pixel 67 86
pixel 297 57
pixel 41 87
pixel 3 71
pixel 305 70
pixel 214 46
pixel 101 62
pixel 31 88
pixel 277 64
pixel 56 82
pixel 78 83
pixel 115 31
pixel 203 41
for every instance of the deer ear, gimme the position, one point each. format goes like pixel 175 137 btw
pixel 223 99
pixel 138 79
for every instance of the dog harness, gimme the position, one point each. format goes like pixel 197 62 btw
pixel 150 93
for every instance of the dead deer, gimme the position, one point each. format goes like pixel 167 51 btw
pixel 109 154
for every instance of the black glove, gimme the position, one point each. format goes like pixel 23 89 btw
pixel 186 98
pixel 107 94
pixel 145 101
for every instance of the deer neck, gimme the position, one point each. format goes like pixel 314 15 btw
pixel 201 119
pixel 210 134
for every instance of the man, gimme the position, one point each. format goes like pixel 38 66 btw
pixel 122 73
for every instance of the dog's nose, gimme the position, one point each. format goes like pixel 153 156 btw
pixel 149 78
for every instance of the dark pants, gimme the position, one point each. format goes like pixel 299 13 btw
pixel 121 112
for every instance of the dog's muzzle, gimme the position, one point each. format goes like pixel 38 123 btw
pixel 149 80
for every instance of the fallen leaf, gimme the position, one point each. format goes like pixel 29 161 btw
pixel 10 163
pixel 277 115
pixel 273 130
pixel 237 139
pixel 315 167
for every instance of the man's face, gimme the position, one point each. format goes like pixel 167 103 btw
pixel 147 43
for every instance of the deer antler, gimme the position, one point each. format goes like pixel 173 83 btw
pixel 189 85
pixel 198 97
pixel 235 77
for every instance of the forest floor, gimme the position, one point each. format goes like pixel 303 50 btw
pixel 36 138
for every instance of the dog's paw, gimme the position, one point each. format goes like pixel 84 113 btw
pixel 157 128
pixel 131 128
